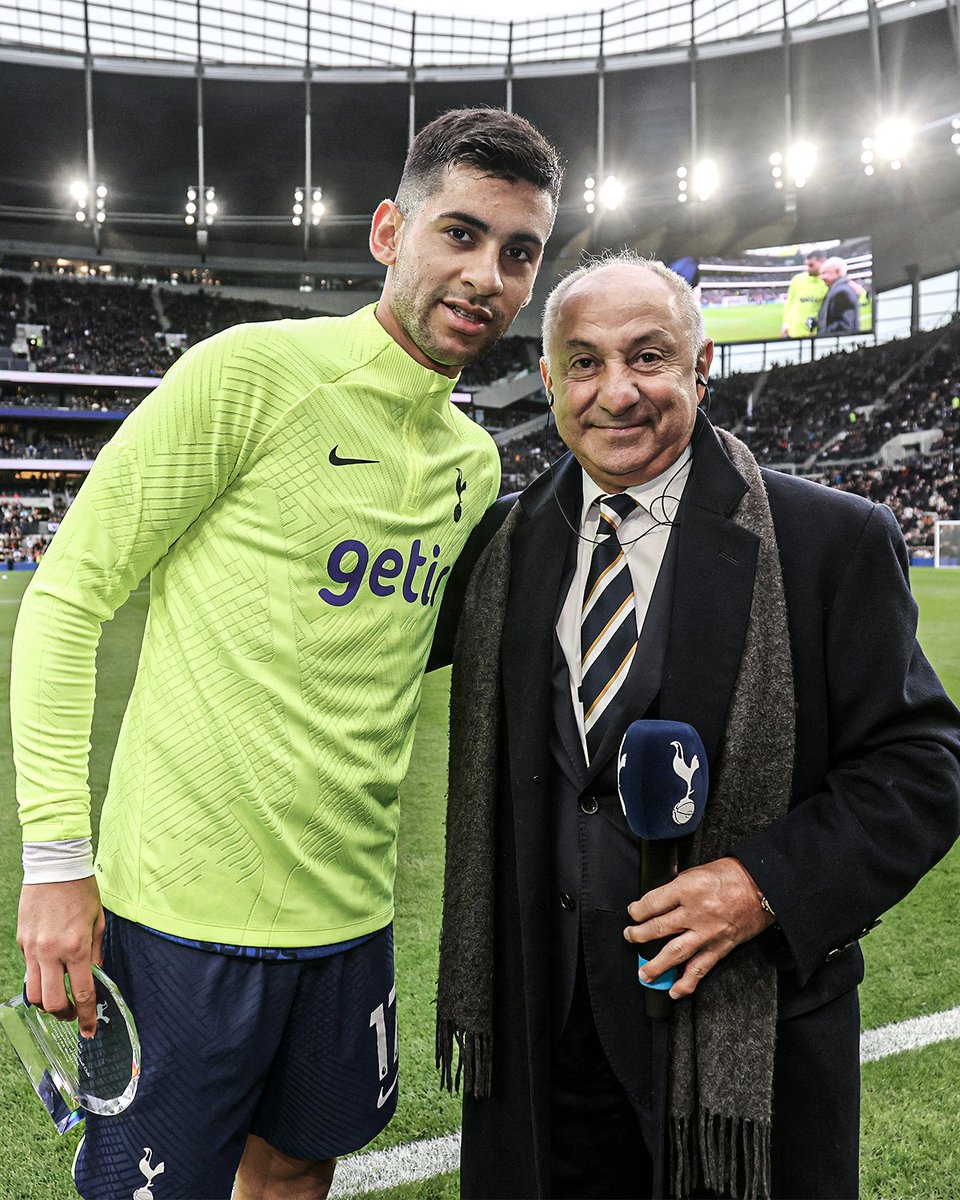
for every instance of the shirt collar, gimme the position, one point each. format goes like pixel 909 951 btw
pixel 645 494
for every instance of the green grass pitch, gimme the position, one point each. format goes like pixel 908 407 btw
pixel 757 322
pixel 910 1143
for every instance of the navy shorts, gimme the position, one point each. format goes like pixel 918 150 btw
pixel 301 1053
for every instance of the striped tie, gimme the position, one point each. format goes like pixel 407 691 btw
pixel 608 623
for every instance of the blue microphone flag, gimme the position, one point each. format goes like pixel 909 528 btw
pixel 663 779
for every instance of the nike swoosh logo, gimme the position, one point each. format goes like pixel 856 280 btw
pixel 337 461
pixel 385 1095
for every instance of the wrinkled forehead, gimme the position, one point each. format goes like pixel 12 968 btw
pixel 618 297
pixel 616 294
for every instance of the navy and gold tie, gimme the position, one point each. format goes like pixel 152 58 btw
pixel 608 622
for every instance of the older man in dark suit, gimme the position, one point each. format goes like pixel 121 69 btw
pixel 657 572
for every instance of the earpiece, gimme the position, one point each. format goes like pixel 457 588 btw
pixel 550 399
pixel 701 382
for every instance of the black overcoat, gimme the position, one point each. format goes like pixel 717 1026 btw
pixel 875 795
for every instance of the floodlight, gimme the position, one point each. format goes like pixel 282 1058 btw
pixel 681 172
pixel 706 178
pixel 101 217
pixel 591 208
pixel 295 220
pixel 298 209
pixel 298 195
pixel 801 157
pixel 612 192
pixel 102 191
pixel 589 182
pixel 80 215
pixel 78 190
pixel 893 139
pixel 194 213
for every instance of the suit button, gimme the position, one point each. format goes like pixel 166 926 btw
pixel 567 902
pixel 536 779
pixel 588 804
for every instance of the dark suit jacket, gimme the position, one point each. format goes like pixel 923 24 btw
pixel 875 796
pixel 840 310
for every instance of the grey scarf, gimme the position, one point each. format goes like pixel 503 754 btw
pixel 722 1038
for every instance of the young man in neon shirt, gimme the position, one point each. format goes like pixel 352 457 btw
pixel 297 492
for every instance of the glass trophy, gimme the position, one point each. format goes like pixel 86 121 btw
pixel 71 1074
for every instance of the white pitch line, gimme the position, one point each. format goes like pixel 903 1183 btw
pixel 401 1164
pixel 909 1035
pixel 438 1156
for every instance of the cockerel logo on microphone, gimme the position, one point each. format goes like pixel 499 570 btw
pixel 684 809
pixel 655 758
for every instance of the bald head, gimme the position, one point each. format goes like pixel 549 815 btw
pixel 627 269
pixel 832 270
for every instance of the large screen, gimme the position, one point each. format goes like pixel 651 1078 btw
pixel 815 289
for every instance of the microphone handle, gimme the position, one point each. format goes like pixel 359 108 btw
pixel 657 867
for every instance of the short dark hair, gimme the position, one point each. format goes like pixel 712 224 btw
pixel 495 142
pixel 818 254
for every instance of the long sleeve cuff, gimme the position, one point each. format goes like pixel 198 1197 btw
pixel 57 862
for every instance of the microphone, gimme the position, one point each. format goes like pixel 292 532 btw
pixel 663 780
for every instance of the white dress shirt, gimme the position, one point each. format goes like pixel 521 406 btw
pixel 643 536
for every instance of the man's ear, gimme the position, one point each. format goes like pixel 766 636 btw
pixel 385 232
pixel 547 381
pixel 705 359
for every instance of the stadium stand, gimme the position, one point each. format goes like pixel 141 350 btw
pixel 883 420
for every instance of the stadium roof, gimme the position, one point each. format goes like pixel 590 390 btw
pixel 366 34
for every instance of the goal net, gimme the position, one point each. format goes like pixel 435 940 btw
pixel 946 544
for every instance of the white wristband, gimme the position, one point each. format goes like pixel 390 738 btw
pixel 57 862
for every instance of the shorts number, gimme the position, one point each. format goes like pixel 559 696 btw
pixel 378 1021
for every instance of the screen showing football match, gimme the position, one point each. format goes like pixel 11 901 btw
pixel 810 290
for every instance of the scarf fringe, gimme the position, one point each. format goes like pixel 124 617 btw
pixel 474 1060
pixel 712 1147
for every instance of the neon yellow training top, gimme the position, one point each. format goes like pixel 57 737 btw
pixel 804 297
pixel 298 491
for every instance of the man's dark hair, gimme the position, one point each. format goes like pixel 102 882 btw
pixel 495 142
pixel 820 255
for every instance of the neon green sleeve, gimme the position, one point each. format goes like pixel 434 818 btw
pixel 168 462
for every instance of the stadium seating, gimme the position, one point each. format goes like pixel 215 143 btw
pixel 841 419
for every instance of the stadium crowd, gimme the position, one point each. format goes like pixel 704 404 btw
pixel 25 529
pixel 829 418
pixel 105 329
pixel 508 357
pixel 56 445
